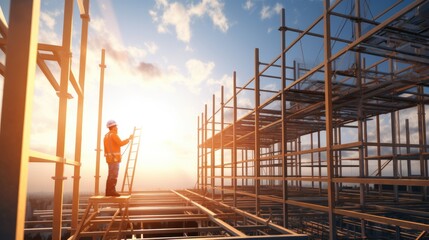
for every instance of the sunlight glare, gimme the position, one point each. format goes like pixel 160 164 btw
pixel 159 134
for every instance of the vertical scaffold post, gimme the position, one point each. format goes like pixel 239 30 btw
pixel 222 150
pixel 328 117
pixel 62 118
pixel 84 13
pixel 421 116
pixel 234 141
pixel 360 115
pixel 198 153
pixel 16 109
pixel 394 130
pixel 100 113
pixel 212 153
pixel 205 150
pixel 202 151
pixel 257 172
pixel 283 112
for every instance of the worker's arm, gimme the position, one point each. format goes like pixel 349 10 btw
pixel 118 141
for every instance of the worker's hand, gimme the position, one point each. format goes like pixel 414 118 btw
pixel 131 137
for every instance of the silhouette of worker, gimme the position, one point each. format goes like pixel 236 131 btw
pixel 112 152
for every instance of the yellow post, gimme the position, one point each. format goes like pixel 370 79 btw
pixel 84 13
pixel 18 88
pixel 62 116
pixel 100 113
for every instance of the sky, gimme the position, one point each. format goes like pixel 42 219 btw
pixel 165 59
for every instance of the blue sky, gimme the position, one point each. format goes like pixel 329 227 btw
pixel 164 60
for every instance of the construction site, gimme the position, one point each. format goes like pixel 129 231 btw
pixel 336 149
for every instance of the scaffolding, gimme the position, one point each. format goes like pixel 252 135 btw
pixel 156 215
pixel 23 54
pixel 336 149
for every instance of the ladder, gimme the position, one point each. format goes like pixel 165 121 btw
pixel 127 184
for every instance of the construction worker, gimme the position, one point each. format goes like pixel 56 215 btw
pixel 112 152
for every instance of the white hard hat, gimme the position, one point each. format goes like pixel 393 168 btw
pixel 111 123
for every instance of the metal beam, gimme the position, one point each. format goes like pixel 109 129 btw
pixel 257 145
pixel 99 119
pixel 329 120
pixel 248 215
pixel 65 65
pixel 35 156
pixel 213 217
pixel 80 105
pixel 17 101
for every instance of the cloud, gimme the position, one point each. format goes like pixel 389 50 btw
pixel 226 81
pixel 179 17
pixel 198 71
pixel 128 63
pixel 162 3
pixel 48 21
pixel 278 8
pixel 176 15
pixel 265 12
pixel 153 14
pixel 148 69
pixel 151 47
pixel 248 5
pixel 268 11
pixel 103 38
pixel 214 10
pixel 126 59
pixel 108 14
pixel 189 48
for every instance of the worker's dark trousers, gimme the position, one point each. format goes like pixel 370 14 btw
pixel 112 178
pixel 111 186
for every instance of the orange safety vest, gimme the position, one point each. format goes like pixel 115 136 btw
pixel 112 147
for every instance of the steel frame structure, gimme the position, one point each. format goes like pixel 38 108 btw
pixel 310 154
pixel 157 214
pixel 175 214
pixel 306 158
pixel 165 214
pixel 23 53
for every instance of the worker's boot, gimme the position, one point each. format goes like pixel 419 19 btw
pixel 109 187
pixel 113 190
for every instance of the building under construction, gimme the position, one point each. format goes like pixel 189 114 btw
pixel 335 149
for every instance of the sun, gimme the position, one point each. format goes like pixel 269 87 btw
pixel 157 119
